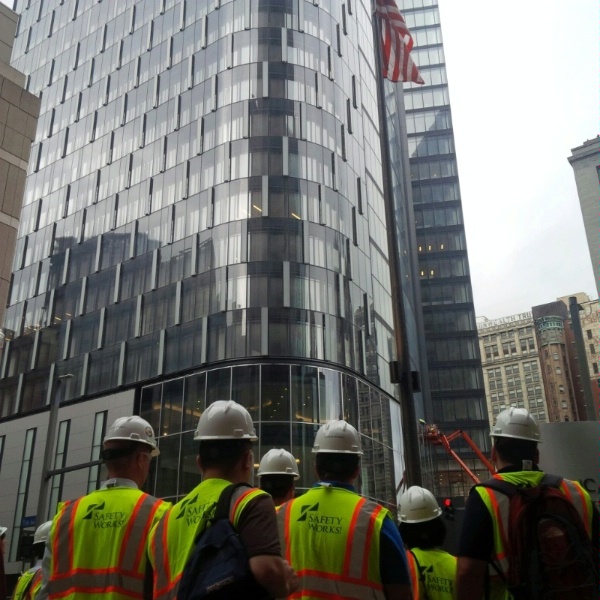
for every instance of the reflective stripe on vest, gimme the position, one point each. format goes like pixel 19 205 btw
pixel 25 584
pixel 415 580
pixel 498 505
pixel 172 541
pixel 348 565
pixel 36 584
pixel 124 576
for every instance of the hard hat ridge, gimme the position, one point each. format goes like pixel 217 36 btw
pixel 133 429
pixel 278 461
pixel 337 437
pixel 42 532
pixel 225 420
pixel 418 505
pixel 516 423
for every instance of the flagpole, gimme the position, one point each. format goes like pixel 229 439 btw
pixel 407 406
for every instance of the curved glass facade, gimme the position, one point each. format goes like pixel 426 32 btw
pixel 288 403
pixel 206 186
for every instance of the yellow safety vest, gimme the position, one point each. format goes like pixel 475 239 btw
pixel 434 575
pixel 498 505
pixel 28 585
pixel 98 544
pixel 171 541
pixel 331 539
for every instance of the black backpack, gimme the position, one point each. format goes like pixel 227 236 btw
pixel 218 568
pixel 550 555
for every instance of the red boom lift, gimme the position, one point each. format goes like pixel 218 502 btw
pixel 433 435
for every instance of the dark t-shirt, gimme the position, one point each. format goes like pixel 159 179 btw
pixel 477 535
pixel 257 527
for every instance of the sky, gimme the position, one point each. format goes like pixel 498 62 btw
pixel 524 90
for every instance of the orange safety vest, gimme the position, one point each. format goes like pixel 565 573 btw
pixel 171 542
pixel 498 505
pixel 98 545
pixel 331 538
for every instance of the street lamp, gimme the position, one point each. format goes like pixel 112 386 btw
pixel 50 439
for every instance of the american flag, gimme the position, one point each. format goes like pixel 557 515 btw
pixel 396 43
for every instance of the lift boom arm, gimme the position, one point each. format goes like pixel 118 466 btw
pixel 435 436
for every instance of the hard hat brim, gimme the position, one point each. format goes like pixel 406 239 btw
pixel 155 450
pixel 206 438
pixel 328 451
pixel 516 437
pixel 263 473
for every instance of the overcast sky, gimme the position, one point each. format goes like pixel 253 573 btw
pixel 524 90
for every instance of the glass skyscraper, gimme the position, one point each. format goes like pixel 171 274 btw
pixel 203 219
pixel 455 374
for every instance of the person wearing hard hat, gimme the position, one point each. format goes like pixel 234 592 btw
pixel 225 434
pixel 277 473
pixel 96 543
pixel 340 544
pixel 29 584
pixel 515 454
pixel 432 570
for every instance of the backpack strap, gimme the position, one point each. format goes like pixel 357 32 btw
pixel 224 503
pixel 551 480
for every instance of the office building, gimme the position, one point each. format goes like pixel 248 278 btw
pixel 19 110
pixel 585 160
pixel 455 375
pixel 511 365
pixel 203 219
pixel 589 313
pixel 560 381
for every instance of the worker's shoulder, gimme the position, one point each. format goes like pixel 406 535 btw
pixel 247 496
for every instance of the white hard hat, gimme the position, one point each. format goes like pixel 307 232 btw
pixel 418 505
pixel 133 429
pixel 337 437
pixel 42 532
pixel 278 462
pixel 516 423
pixel 3 531
pixel 225 420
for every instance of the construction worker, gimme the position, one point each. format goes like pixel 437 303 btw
pixel 484 536
pixel 340 544
pixel 96 544
pixel 28 585
pixel 277 474
pixel 432 570
pixel 225 434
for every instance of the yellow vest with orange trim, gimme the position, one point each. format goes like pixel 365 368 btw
pixel 331 538
pixel 29 584
pixel 172 540
pixel 498 506
pixel 437 574
pixel 98 545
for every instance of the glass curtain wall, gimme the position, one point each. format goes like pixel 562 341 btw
pixel 288 402
pixel 205 187
pixel 455 374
